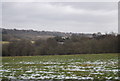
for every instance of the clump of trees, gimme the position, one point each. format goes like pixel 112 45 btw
pixel 18 48
pixel 75 44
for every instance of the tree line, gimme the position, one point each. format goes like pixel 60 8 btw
pixel 75 44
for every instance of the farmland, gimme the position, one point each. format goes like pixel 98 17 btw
pixel 80 67
pixel 7 42
pixel 4 42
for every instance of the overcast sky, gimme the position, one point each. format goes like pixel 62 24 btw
pixel 86 17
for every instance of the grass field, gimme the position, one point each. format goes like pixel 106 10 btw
pixel 7 42
pixel 81 67
pixel 4 42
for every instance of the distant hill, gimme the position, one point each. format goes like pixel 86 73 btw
pixel 15 34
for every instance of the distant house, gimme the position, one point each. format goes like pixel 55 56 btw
pixel 60 42
pixel 65 37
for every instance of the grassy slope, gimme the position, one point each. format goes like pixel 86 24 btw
pixel 7 42
pixel 86 57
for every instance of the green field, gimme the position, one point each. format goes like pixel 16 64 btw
pixel 81 67
pixel 7 42
pixel 4 42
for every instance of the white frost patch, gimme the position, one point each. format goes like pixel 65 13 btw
pixel 35 75
pixel 44 72
pixel 76 69
pixel 28 63
pixel 113 70
pixel 3 70
pixel 97 73
pixel 11 77
pixel 29 71
pixel 6 63
pixel 117 78
pixel 86 78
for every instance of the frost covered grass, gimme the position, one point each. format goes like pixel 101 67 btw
pixel 84 66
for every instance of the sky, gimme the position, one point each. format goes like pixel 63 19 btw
pixel 81 17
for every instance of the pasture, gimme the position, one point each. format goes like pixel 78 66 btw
pixel 7 42
pixel 77 67
pixel 4 42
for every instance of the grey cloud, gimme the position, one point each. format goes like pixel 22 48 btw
pixel 90 5
pixel 67 16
